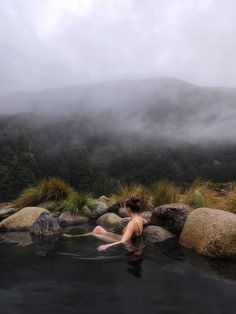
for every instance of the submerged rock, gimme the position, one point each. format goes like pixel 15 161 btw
pixel 23 219
pixel 171 216
pixel 6 212
pixel 46 224
pixel 67 219
pixel 210 232
pixel 156 233
pixel 108 219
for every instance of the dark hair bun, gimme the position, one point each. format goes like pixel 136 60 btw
pixel 134 199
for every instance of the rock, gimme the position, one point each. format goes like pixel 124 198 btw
pixel 118 228
pixel 51 206
pixel 108 219
pixel 158 234
pixel 122 212
pixel 114 208
pixel 66 219
pixel 46 224
pixel 6 212
pixel 146 215
pixel 171 216
pixel 3 205
pixel 23 219
pixel 210 232
pixel 99 209
pixel 103 199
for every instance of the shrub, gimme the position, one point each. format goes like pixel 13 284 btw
pixel 50 189
pixel 165 192
pixel 77 204
pixel 133 190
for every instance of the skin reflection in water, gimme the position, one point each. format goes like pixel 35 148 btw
pixel 135 257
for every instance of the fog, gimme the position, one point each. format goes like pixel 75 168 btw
pixel 152 70
pixel 54 43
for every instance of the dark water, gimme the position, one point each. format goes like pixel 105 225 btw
pixel 63 275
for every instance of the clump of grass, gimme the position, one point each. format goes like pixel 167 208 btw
pixel 29 197
pixel 139 191
pixel 200 195
pixel 77 204
pixel 50 189
pixel 165 192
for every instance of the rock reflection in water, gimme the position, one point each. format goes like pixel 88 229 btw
pixel 212 268
pixel 43 244
pixel 21 238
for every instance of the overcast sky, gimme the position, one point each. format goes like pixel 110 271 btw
pixel 52 43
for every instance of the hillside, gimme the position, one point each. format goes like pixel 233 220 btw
pixel 97 135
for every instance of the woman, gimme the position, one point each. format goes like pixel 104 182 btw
pixel 133 230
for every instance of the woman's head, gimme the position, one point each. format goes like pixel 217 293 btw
pixel 132 204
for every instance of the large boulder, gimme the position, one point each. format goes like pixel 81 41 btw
pixel 157 234
pixel 46 225
pixel 210 232
pixel 6 212
pixel 108 220
pixel 171 216
pixel 23 219
pixel 67 219
pixel 99 209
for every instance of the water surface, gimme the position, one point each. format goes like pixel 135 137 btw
pixel 63 275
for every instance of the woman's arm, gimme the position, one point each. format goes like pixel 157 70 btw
pixel 126 237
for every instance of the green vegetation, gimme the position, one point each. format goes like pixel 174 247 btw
pixel 50 189
pixel 165 192
pixel 32 148
pixel 77 204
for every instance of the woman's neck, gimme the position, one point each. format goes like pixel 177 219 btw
pixel 133 215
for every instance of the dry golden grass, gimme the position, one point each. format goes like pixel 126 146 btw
pixel 165 192
pixel 50 189
pixel 139 191
pixel 199 194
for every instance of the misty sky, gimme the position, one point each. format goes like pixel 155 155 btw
pixel 53 43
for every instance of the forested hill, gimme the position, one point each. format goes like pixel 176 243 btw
pixel 96 135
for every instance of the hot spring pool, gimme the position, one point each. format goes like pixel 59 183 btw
pixel 71 276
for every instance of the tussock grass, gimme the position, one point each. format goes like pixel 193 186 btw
pixel 50 189
pixel 165 192
pixel 77 204
pixel 199 194
pixel 228 201
pixel 139 191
